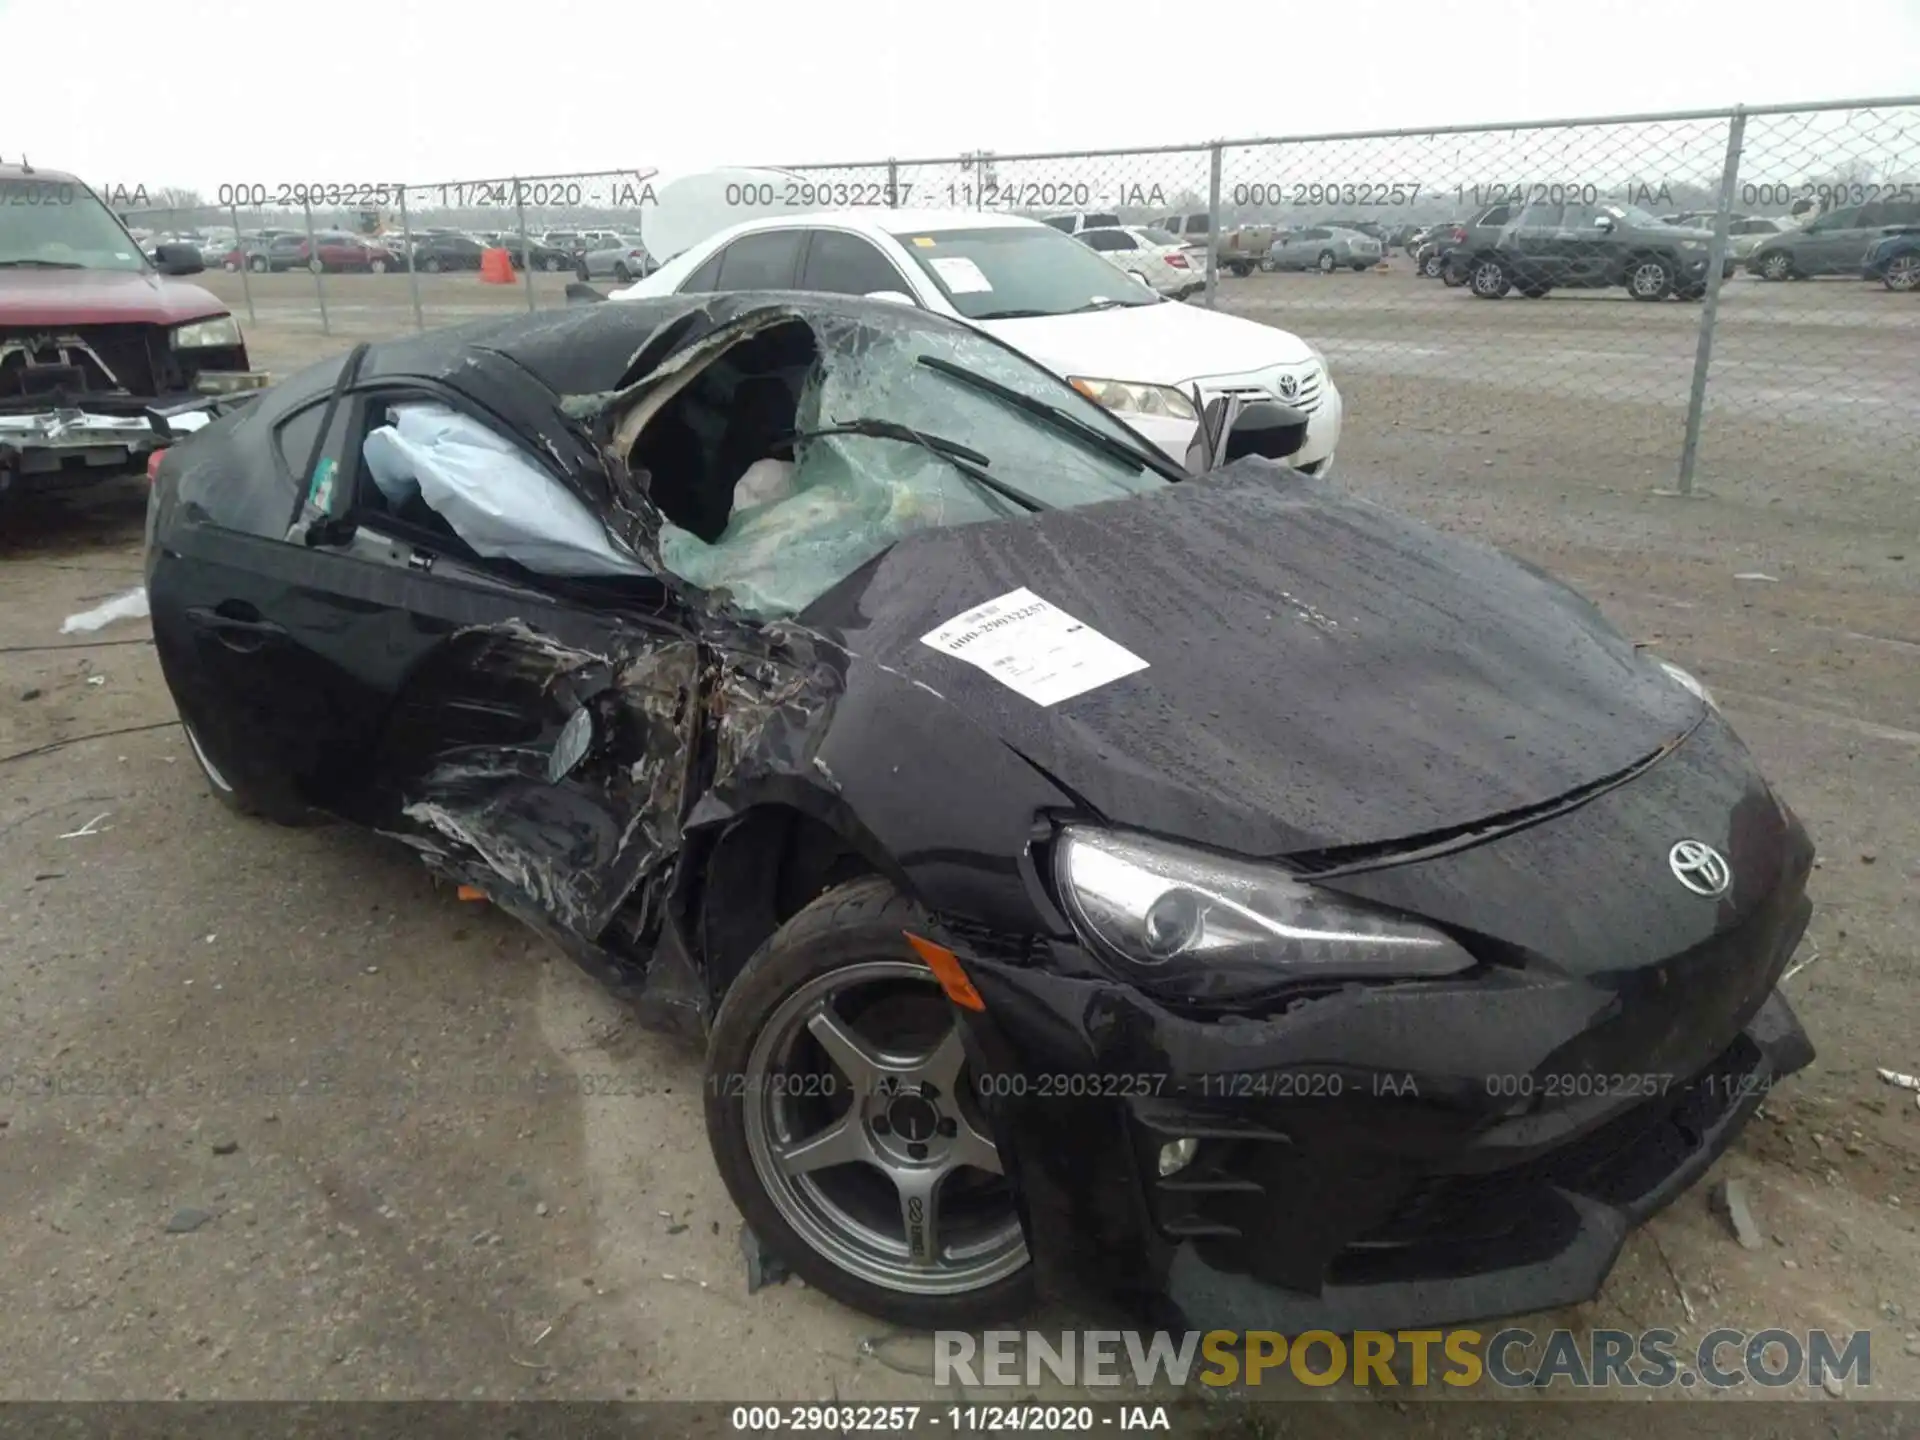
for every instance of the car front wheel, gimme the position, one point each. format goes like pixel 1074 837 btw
pixel 1327 262
pixel 1902 273
pixel 258 264
pixel 1777 266
pixel 844 1120
pixel 1431 267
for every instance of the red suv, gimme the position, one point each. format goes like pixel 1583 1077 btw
pixel 104 353
pixel 338 251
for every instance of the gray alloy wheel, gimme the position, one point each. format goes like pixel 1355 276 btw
pixel 1431 267
pixel 378 267
pixel 1327 262
pixel 878 1158
pixel 1489 279
pixel 554 264
pixel 1649 278
pixel 431 264
pixel 258 264
pixel 1777 265
pixel 1902 273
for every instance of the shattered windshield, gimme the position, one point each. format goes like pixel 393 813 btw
pixel 894 429
pixel 1013 272
pixel 58 224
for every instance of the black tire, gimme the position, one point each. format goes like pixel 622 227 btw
pixel 1360 265
pixel 1777 265
pixel 554 264
pixel 431 264
pixel 1649 277
pixel 1452 278
pixel 620 273
pixel 1691 293
pixel 243 798
pixel 258 264
pixel 1327 264
pixel 1902 273
pixel 1489 278
pixel 1533 292
pixel 861 920
pixel 1432 267
pixel 376 267
pixel 1242 269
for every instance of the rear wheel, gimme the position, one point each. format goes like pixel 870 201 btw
pixel 1902 273
pixel 1777 265
pixel 1649 278
pixel 1359 265
pixel 1489 279
pixel 620 273
pixel 378 267
pixel 844 1121
pixel 1327 262
pixel 1691 292
pixel 1431 267
pixel 431 264
pixel 258 264
pixel 554 263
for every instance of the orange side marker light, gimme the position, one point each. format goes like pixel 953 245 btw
pixel 947 970
pixel 471 892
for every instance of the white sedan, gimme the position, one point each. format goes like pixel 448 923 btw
pixel 1152 256
pixel 1042 292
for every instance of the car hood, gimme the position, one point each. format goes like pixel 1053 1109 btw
pixel 1320 672
pixel 1165 344
pixel 100 297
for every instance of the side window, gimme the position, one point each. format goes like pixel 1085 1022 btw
pixel 1579 216
pixel 1062 223
pixel 1871 215
pixel 843 264
pixel 706 279
pixel 1198 225
pixel 294 439
pixel 1901 212
pixel 1541 217
pixel 1838 219
pixel 764 261
pixel 1109 240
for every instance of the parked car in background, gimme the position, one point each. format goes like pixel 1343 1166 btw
pixel 1323 248
pixel 336 251
pixel 1832 244
pixel 1153 257
pixel 622 257
pixel 1748 233
pixel 1241 248
pixel 434 253
pixel 541 255
pixel 1583 246
pixel 104 353
pixel 1034 288
pixel 574 242
pixel 1081 220
pixel 1480 232
pixel 1895 261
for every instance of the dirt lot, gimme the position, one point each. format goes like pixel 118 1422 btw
pixel 324 1073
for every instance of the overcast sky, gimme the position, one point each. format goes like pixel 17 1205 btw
pixel 201 92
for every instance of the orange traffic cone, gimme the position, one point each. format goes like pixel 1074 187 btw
pixel 496 266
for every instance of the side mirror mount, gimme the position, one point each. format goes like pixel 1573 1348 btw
pixel 898 297
pixel 1265 428
pixel 175 259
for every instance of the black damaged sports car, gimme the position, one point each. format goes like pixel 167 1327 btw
pixel 1220 893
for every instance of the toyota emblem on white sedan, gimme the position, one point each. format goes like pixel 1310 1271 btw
pixel 1288 387
pixel 1701 868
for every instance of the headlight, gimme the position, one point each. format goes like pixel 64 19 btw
pixel 1136 397
pixel 1687 682
pixel 205 334
pixel 1191 925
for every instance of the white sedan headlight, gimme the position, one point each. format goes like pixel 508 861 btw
pixel 1688 682
pixel 222 330
pixel 1193 925
pixel 1136 397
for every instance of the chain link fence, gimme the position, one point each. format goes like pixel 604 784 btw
pixel 1725 296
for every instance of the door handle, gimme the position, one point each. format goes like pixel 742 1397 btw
pixel 237 625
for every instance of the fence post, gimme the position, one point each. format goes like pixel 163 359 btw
pixel 1213 224
pixel 526 245
pixel 893 184
pixel 413 272
pixel 240 248
pixel 1710 310
pixel 313 264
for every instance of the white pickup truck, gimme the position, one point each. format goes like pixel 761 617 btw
pixel 1240 248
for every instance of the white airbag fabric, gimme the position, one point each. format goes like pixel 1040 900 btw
pixel 491 492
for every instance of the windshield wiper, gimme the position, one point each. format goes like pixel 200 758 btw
pixel 1013 314
pixel 1107 445
pixel 45 264
pixel 964 458
pixel 1106 302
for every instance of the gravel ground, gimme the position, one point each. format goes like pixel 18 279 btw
pixel 281 1118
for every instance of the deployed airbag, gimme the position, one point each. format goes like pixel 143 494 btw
pixel 496 497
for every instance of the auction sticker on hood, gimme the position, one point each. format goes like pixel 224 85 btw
pixel 1033 646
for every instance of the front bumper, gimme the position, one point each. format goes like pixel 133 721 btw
pixel 55 447
pixel 1175 437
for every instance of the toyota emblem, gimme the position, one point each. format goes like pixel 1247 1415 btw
pixel 1289 387
pixel 1701 868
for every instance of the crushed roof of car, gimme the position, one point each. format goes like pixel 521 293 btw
pixel 583 349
